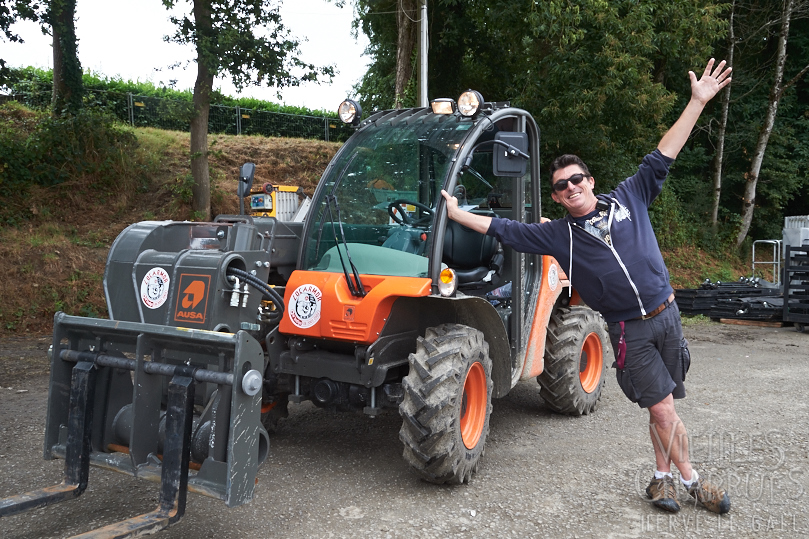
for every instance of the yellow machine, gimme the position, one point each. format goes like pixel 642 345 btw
pixel 284 202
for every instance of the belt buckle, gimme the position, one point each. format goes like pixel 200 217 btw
pixel 655 312
pixel 659 309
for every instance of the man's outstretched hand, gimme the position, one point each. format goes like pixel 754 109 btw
pixel 711 82
pixel 478 223
pixel 702 91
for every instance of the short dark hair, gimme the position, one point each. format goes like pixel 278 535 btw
pixel 565 161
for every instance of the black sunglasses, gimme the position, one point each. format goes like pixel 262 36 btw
pixel 576 179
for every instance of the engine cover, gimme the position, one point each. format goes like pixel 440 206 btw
pixel 176 274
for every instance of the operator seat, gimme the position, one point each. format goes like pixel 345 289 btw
pixel 471 254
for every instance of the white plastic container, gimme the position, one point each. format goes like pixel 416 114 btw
pixel 796 231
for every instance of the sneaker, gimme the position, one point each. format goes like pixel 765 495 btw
pixel 663 494
pixel 712 498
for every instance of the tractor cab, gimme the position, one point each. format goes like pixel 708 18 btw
pixel 377 233
pixel 379 211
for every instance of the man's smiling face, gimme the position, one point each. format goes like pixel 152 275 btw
pixel 579 199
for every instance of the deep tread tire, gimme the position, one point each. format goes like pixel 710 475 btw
pixel 564 386
pixel 438 415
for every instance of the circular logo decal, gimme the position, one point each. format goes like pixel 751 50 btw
pixel 154 288
pixel 304 306
pixel 553 277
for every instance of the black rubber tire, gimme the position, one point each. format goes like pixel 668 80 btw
pixel 434 402
pixel 560 382
pixel 799 327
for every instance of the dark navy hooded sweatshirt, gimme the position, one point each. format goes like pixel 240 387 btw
pixel 622 281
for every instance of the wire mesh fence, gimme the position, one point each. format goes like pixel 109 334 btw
pixel 176 114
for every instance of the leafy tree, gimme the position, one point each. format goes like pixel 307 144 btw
pixel 782 175
pixel 67 73
pixel 601 78
pixel 58 18
pixel 377 19
pixel 790 9
pixel 243 39
pixel 10 12
pixel 716 166
pixel 405 42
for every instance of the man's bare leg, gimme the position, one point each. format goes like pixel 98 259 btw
pixel 669 438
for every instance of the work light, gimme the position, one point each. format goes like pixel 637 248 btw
pixel 350 112
pixel 469 103
pixel 443 105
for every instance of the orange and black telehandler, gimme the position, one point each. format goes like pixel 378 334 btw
pixel 374 301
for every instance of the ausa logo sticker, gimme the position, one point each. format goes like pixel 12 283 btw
pixel 348 313
pixel 192 301
pixel 553 277
pixel 304 306
pixel 154 288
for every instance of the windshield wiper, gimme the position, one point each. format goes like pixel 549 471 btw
pixel 477 175
pixel 355 284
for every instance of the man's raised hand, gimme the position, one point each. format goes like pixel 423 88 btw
pixel 711 82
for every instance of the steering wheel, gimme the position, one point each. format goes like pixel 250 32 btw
pixel 401 217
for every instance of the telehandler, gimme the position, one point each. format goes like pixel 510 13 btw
pixel 372 301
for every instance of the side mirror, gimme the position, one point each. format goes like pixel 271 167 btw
pixel 246 174
pixel 510 154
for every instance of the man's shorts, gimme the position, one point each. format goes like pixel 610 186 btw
pixel 657 357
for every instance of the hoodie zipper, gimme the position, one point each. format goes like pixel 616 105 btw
pixel 614 253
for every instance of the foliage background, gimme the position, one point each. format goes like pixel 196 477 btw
pixel 605 79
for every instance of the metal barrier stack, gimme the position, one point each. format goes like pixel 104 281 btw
pixel 796 286
pixel 748 298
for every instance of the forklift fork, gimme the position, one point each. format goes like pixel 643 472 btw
pixel 174 474
pixel 227 470
pixel 77 450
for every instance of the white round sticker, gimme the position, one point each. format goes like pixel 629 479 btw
pixel 553 277
pixel 154 288
pixel 304 305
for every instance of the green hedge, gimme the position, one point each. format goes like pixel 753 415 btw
pixel 142 104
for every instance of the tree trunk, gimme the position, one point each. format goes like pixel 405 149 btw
pixel 720 143
pixel 749 199
pixel 406 18
pixel 201 191
pixel 67 83
pixel 59 86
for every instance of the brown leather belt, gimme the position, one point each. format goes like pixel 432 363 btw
pixel 658 310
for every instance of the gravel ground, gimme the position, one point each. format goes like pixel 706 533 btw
pixel 543 475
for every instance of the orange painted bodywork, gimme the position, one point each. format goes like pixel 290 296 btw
pixel 349 318
pixel 535 353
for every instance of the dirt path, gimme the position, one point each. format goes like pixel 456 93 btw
pixel 543 475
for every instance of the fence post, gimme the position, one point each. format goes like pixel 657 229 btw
pixel 131 108
pixel 238 120
pixel 326 123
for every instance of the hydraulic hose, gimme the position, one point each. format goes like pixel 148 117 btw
pixel 268 291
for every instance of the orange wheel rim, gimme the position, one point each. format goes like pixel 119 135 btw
pixel 473 407
pixel 591 363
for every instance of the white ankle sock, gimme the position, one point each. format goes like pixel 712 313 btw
pixel 661 475
pixel 694 478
